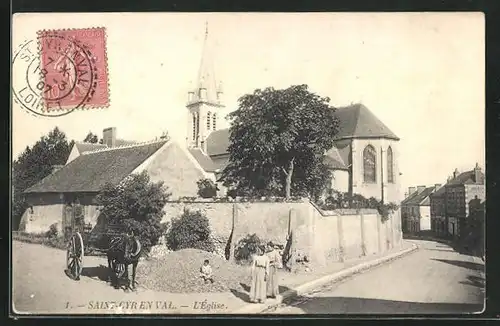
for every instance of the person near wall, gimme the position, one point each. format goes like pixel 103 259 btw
pixel 260 274
pixel 274 264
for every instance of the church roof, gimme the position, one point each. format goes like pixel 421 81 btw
pixel 204 160
pixel 333 159
pixel 91 171
pixel 206 74
pixel 218 142
pixel 357 121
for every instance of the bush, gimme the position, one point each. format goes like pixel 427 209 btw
pixel 52 233
pixel 137 204
pixel 207 188
pixel 190 230
pixel 247 247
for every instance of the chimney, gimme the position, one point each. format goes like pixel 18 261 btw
pixel 477 173
pixel 455 173
pixel 411 190
pixel 109 137
pixel 437 186
pixel 421 188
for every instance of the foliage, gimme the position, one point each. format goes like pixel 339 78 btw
pixel 207 188
pixel 247 247
pixel 137 204
pixel 277 142
pixel 40 238
pixel 92 138
pixel 190 230
pixel 34 164
pixel 339 200
pixel 52 232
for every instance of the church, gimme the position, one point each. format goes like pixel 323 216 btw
pixel 363 159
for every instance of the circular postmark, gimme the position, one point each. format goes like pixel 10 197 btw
pixel 53 75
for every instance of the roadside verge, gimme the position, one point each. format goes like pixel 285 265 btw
pixel 308 286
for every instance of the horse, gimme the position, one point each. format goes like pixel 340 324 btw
pixel 123 251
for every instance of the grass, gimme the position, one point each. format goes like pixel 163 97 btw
pixel 40 238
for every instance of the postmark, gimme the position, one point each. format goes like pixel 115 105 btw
pixel 61 71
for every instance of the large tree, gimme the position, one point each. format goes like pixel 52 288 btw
pixel 36 163
pixel 92 138
pixel 277 141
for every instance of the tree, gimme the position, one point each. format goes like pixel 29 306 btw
pixel 137 204
pixel 34 164
pixel 207 188
pixel 277 142
pixel 190 230
pixel 92 138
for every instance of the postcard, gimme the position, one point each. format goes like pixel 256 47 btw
pixel 248 163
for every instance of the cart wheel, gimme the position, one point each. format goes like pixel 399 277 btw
pixel 74 256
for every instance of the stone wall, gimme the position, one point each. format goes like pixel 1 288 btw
pixel 321 235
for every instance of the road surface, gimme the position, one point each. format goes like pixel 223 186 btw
pixel 435 279
pixel 39 285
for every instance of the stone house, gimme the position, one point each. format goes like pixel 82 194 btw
pixel 416 208
pixel 438 212
pixel 459 191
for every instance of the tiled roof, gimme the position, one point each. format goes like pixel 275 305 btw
pixel 421 198
pixel 466 178
pixel 205 161
pixel 123 142
pixel 334 160
pixel 356 121
pixel 407 199
pixel 86 147
pixel 439 193
pixel 90 172
pixel 218 142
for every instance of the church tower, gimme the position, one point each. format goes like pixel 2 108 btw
pixel 204 101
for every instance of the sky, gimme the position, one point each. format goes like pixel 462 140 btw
pixel 422 74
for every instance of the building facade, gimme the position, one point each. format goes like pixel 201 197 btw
pixel 416 208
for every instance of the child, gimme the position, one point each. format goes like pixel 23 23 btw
pixel 206 272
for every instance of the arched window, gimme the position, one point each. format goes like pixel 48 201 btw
pixel 208 121
pixel 369 164
pixel 390 166
pixel 214 121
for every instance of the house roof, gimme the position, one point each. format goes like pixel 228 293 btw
pixel 204 160
pixel 421 198
pixel 357 121
pixel 91 171
pixel 439 193
pixel 407 199
pixel 86 147
pixel 466 178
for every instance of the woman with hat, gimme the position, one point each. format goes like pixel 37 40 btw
pixel 260 273
pixel 274 263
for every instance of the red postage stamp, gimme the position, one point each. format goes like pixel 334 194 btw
pixel 73 68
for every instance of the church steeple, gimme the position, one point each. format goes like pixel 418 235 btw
pixel 206 86
pixel 204 99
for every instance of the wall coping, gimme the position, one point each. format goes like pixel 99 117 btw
pixel 229 200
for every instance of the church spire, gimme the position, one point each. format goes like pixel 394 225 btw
pixel 206 88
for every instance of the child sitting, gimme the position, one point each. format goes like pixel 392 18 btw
pixel 206 272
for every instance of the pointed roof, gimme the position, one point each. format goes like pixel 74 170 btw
pixel 86 147
pixel 204 160
pixel 333 159
pixel 206 73
pixel 466 178
pixel 356 121
pixel 90 171
pixel 421 198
